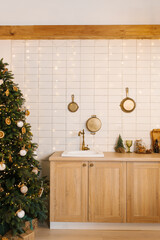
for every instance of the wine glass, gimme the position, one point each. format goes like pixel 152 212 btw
pixel 129 144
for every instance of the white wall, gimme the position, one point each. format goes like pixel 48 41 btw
pixel 97 72
pixel 6 51
pixel 78 12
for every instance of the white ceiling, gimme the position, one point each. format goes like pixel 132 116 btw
pixel 79 12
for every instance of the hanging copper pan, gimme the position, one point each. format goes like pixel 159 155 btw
pixel 93 124
pixel 127 104
pixel 73 106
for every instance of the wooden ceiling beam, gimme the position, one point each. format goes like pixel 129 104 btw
pixel 80 32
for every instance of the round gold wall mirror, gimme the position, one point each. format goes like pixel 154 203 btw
pixel 93 124
pixel 73 106
pixel 127 104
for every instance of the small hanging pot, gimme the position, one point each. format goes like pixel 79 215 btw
pixel 93 124
pixel 127 104
pixel 73 106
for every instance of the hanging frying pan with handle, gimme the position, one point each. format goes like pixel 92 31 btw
pixel 93 124
pixel 73 106
pixel 127 104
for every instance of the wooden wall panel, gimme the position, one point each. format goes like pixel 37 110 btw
pixel 80 32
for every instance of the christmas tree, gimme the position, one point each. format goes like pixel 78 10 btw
pixel 23 193
pixel 119 146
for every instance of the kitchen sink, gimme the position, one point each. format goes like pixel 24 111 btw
pixel 89 153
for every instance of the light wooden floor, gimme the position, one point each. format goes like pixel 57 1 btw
pixel 43 233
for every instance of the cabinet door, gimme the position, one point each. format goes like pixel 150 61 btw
pixel 107 187
pixel 143 192
pixel 69 191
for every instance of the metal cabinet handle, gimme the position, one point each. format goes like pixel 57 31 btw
pixel 91 164
pixel 84 164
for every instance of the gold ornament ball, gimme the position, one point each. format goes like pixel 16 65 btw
pixel 8 121
pixel 15 88
pixel 27 112
pixel 1 134
pixel 23 130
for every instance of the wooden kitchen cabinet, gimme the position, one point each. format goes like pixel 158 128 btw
pixel 118 188
pixel 69 191
pixel 107 192
pixel 82 192
pixel 143 192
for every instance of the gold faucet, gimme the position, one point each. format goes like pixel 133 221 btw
pixel 84 148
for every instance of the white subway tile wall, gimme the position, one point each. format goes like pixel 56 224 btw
pixel 97 73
